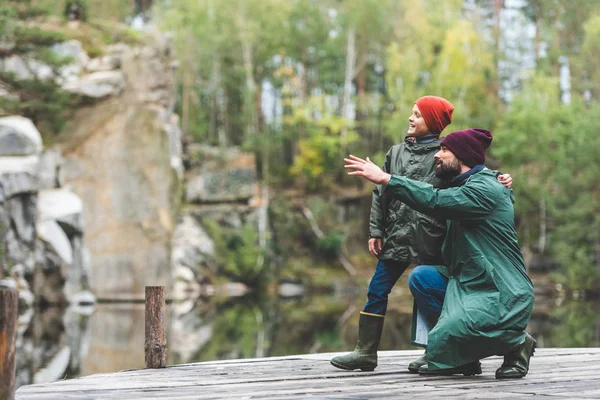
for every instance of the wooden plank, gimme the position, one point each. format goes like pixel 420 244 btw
pixel 555 373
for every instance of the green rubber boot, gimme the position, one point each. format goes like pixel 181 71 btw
pixel 418 363
pixel 364 356
pixel 516 363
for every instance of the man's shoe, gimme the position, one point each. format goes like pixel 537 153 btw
pixel 418 363
pixel 516 363
pixel 364 356
pixel 469 369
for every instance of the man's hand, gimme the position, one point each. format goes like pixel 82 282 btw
pixel 366 169
pixel 375 246
pixel 506 180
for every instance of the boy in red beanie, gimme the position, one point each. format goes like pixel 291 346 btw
pixel 398 235
pixel 487 301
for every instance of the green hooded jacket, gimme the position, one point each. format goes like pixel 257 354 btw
pixel 408 236
pixel 489 298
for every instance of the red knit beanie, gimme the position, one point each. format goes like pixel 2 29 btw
pixel 469 145
pixel 436 111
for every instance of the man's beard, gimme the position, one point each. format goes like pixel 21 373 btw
pixel 448 170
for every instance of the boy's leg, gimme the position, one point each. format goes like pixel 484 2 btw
pixel 370 324
pixel 385 277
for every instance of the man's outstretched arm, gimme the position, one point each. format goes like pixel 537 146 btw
pixel 452 203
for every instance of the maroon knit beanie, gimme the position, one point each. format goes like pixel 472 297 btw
pixel 469 145
pixel 436 111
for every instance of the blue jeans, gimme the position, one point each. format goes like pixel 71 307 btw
pixel 385 277
pixel 428 287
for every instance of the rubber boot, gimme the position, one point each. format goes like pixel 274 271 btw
pixel 418 363
pixel 516 363
pixel 470 369
pixel 364 356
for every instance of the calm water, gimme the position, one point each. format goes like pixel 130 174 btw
pixel 111 338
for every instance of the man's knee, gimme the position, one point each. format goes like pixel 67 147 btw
pixel 416 279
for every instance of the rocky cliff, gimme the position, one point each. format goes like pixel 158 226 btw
pixel 41 225
pixel 93 212
pixel 122 157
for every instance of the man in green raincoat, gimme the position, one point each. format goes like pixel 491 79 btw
pixel 489 297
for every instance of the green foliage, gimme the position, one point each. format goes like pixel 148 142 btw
pixel 237 253
pixel 550 149
pixel 590 63
pixel 292 232
pixel 29 38
pixel 319 153
pixel 43 101
pixel 575 325
pixel 441 54
pixel 330 246
pixel 236 331
pixel 234 56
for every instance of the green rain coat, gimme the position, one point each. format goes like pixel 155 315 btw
pixel 489 298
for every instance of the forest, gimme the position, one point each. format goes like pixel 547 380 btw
pixel 302 83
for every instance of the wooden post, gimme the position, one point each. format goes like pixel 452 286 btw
pixel 156 336
pixel 9 303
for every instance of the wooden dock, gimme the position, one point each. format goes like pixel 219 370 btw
pixel 554 374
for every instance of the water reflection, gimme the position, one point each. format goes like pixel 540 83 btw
pixel 67 343
pixel 116 337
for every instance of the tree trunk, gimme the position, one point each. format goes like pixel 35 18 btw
pixel 303 76
pixel 215 82
pixel 215 78
pixel 498 5
pixel 565 80
pixel 542 238
pixel 361 102
pixel 251 126
pixel 260 119
pixel 349 75
pixel 188 85
pixel 537 41
pixel 224 126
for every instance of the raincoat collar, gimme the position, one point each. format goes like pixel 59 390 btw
pixel 462 178
pixel 432 137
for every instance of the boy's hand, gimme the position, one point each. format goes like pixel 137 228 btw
pixel 375 246
pixel 506 180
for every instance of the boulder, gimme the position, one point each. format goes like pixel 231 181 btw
pixel 19 137
pixel 174 135
pixel 97 85
pixel 221 176
pixel 108 62
pixel 73 50
pixel 51 233
pixel 18 175
pixel 26 69
pixel 63 206
pixel 50 163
